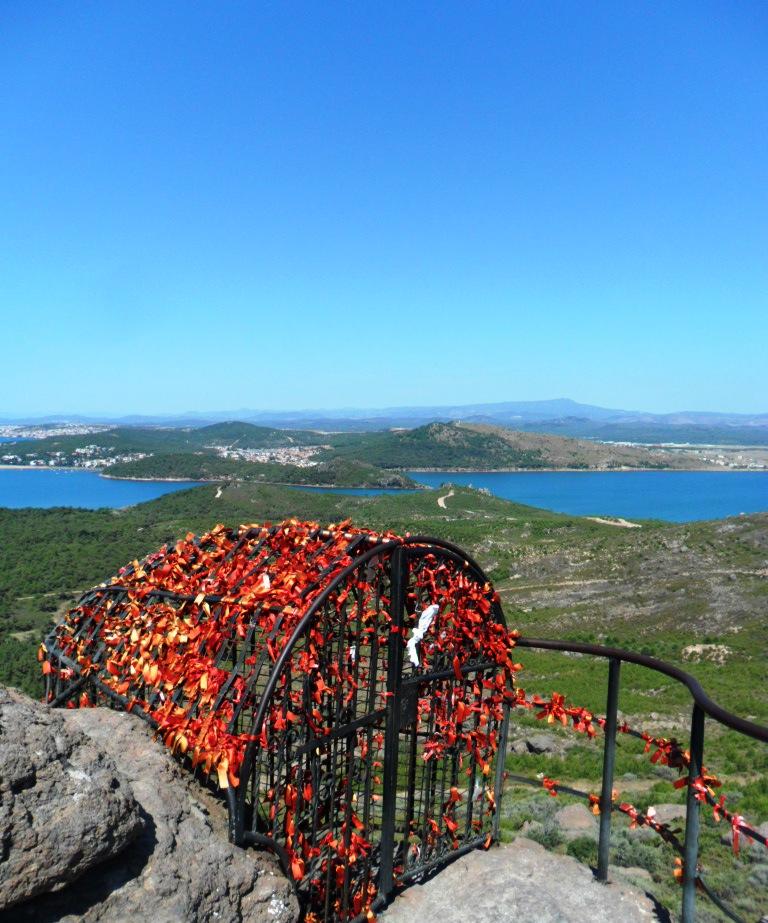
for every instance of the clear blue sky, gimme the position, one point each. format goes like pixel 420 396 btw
pixel 290 205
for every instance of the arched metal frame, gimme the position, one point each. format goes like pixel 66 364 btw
pixel 391 862
pixel 372 797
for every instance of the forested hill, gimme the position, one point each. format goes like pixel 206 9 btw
pixel 335 472
pixel 483 447
pixel 227 450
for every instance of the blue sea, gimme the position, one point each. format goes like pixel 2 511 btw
pixel 46 488
pixel 677 496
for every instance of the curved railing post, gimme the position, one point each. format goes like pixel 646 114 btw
pixel 609 760
pixel 691 854
pixel 704 707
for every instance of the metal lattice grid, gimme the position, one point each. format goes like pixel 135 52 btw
pixel 275 661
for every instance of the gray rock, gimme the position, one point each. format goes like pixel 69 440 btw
pixel 575 820
pixel 519 747
pixel 750 848
pixel 64 807
pixel 667 813
pixel 519 883
pixel 543 743
pixel 181 867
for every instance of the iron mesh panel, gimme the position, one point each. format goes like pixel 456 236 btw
pixel 284 645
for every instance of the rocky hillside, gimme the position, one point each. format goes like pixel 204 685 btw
pixel 562 452
pixel 98 823
pixel 478 447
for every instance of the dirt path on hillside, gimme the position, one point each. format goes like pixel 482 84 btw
pixel 441 500
pixel 622 523
pixel 554 584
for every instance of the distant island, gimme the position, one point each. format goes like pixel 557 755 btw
pixel 247 452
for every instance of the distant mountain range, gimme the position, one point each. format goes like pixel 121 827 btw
pixel 562 417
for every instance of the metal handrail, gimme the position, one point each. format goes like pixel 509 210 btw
pixel 703 706
pixel 707 705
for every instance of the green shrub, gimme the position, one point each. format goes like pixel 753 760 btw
pixel 547 834
pixel 628 851
pixel 583 848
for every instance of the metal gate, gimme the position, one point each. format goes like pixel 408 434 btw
pixel 347 690
pixel 439 800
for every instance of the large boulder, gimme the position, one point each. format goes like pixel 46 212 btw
pixel 521 882
pixel 669 813
pixel 180 866
pixel 576 820
pixel 64 807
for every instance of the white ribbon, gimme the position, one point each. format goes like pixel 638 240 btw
pixel 425 620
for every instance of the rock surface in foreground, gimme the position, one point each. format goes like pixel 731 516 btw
pixel 180 866
pixel 519 883
pixel 64 808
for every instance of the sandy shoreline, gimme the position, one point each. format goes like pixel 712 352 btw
pixel 718 470
pixel 114 477
pixel 224 480
pixel 44 468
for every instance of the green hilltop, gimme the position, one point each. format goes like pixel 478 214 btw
pixel 226 450
pixel 694 594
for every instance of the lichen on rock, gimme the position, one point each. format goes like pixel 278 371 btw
pixel 99 823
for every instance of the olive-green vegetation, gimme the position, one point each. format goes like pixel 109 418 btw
pixel 126 439
pixel 693 594
pixel 195 453
pixel 336 472
pixel 482 447
pixel 437 445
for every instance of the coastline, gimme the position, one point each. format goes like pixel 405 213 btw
pixel 622 470
pixel 116 477
pixel 224 480
pixel 44 468
pixel 113 477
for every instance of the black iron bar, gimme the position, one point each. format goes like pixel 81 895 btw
pixel 344 731
pixel 398 563
pixel 609 759
pixel 349 758
pixel 719 904
pixel 68 692
pixel 710 708
pixel 411 785
pixel 692 819
pixel 500 769
pixel 421 678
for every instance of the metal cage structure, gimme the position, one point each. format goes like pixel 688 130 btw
pixel 347 691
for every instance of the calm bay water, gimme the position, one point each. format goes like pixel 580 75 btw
pixel 678 496
pixel 46 488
